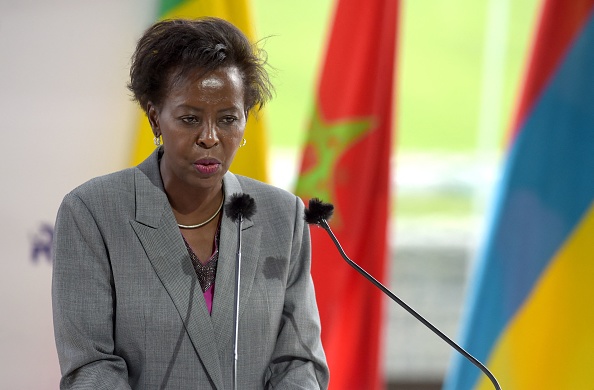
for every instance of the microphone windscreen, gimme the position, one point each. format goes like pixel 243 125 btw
pixel 318 211
pixel 240 205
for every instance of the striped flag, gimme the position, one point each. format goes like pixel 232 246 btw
pixel 251 160
pixel 531 309
pixel 346 162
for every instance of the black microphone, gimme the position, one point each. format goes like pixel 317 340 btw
pixel 318 214
pixel 240 206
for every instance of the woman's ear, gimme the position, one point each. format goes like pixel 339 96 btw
pixel 153 118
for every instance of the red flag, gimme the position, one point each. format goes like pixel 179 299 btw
pixel 346 162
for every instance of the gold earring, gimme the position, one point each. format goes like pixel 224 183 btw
pixel 157 140
pixel 243 143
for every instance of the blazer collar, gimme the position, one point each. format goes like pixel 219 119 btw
pixel 157 230
pixel 151 201
pixel 159 234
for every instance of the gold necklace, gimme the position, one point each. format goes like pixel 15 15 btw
pixel 205 222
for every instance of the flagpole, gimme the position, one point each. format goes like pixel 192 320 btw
pixel 491 97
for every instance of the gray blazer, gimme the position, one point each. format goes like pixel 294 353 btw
pixel 128 308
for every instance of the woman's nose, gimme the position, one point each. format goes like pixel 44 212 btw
pixel 207 137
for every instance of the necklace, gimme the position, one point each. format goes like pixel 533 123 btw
pixel 205 222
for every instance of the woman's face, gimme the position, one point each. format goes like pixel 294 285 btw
pixel 202 119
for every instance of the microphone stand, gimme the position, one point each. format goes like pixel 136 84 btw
pixel 236 300
pixel 239 207
pixel 324 224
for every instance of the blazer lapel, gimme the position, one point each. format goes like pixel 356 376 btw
pixel 224 298
pixel 159 235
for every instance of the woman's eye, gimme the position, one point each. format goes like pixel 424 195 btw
pixel 228 119
pixel 189 119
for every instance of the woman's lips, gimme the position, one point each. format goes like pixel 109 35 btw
pixel 207 166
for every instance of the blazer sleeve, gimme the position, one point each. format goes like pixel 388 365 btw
pixel 298 360
pixel 83 302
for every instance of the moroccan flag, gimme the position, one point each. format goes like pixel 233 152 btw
pixel 531 305
pixel 346 162
pixel 251 160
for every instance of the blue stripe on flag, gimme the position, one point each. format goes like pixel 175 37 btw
pixel 547 186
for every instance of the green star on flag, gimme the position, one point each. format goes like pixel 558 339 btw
pixel 326 144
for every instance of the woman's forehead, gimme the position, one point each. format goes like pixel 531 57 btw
pixel 221 86
pixel 205 78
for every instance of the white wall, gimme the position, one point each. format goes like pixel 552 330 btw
pixel 65 116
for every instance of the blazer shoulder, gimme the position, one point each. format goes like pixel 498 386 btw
pixel 113 186
pixel 263 192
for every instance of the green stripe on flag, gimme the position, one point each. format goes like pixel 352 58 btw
pixel 168 5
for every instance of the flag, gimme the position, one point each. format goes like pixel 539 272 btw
pixel 346 162
pixel 251 160
pixel 530 312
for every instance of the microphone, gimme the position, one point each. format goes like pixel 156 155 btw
pixel 240 206
pixel 318 213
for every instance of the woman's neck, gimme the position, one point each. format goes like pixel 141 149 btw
pixel 192 205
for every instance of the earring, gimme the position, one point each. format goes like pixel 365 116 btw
pixel 243 143
pixel 157 140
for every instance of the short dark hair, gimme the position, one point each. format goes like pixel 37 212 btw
pixel 170 49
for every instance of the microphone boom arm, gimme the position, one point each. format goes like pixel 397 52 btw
pixel 324 224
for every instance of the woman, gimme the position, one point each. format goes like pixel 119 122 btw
pixel 143 281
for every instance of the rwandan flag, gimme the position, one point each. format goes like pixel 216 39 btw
pixel 346 162
pixel 251 160
pixel 531 310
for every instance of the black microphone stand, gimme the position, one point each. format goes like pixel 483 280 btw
pixel 324 224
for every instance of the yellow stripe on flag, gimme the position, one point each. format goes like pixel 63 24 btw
pixel 251 159
pixel 549 343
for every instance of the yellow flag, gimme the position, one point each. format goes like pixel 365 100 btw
pixel 251 159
